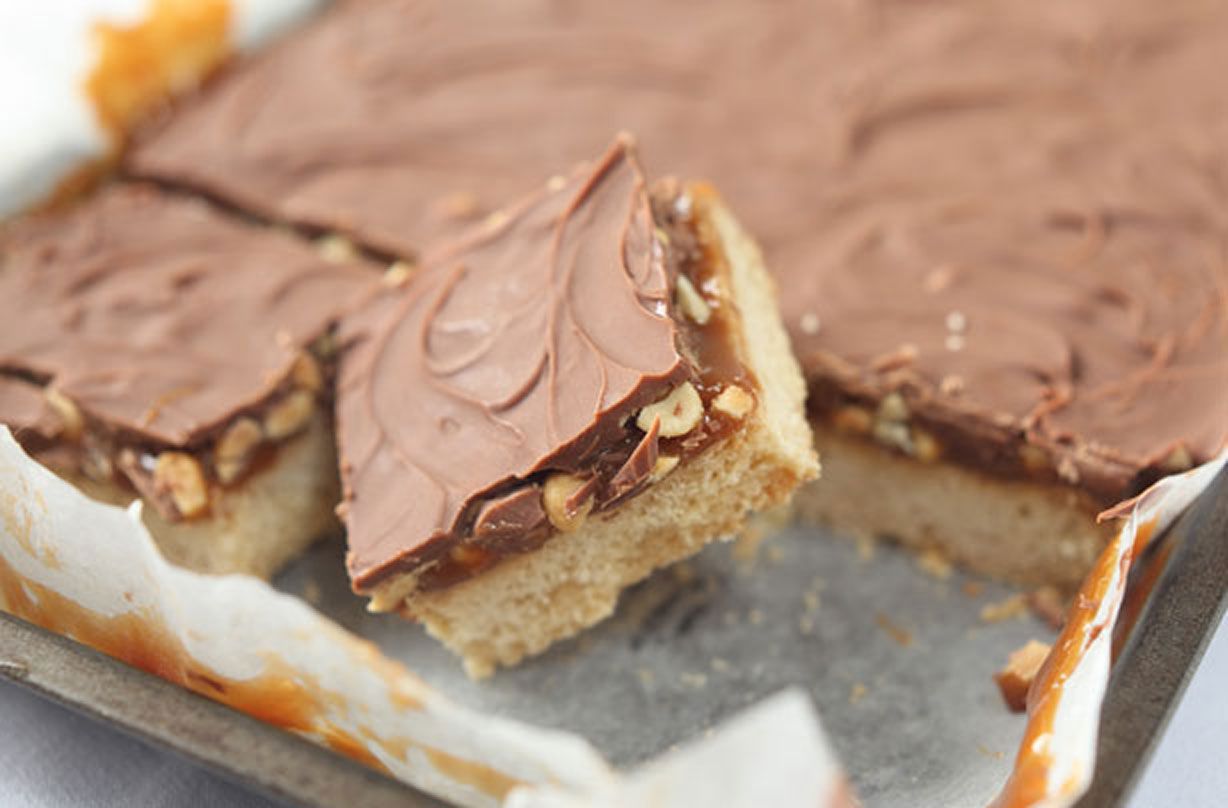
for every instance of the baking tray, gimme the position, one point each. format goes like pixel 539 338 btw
pixel 897 659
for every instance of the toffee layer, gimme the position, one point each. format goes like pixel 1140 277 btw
pixel 1012 214
pixel 471 431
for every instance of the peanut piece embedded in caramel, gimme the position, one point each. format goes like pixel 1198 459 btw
pixel 895 435
pixel 97 465
pixel 893 408
pixel 1178 460
pixel 680 412
pixel 734 402
pixel 664 465
pixel 325 345
pixel 181 476
pixel 691 302
pixel 290 415
pixel 71 422
pixel 926 447
pixel 854 419
pixel 397 274
pixel 555 493
pixel 1034 458
pixel 234 449
pixel 306 373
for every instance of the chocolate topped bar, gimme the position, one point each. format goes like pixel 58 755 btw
pixel 524 351
pixel 1011 216
pixel 154 347
pixel 159 318
pixel 591 384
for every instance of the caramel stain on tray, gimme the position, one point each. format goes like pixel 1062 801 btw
pixel 1028 782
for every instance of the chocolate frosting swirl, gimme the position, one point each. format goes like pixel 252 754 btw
pixel 160 317
pixel 1017 212
pixel 521 348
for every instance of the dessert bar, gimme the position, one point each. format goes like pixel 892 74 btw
pixel 589 385
pixel 153 347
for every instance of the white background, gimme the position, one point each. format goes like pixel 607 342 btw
pixel 52 758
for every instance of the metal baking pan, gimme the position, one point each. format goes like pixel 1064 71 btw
pixel 898 660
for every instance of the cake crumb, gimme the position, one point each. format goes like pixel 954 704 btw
pixel 973 589
pixel 934 563
pixel 1048 604
pixel 1015 680
pixel 805 624
pixel 647 677
pixel 895 632
pixel 693 680
pixel 312 593
pixel 1011 608
pixel 866 547
pixel 857 692
pixel 720 665
pixel 811 601
pixel 775 554
pixel 755 617
pixel 990 753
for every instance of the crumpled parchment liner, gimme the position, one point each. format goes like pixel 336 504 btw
pixel 90 572
pixel 1056 758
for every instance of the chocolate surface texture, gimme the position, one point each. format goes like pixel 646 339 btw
pixel 160 318
pixel 524 347
pixel 1014 213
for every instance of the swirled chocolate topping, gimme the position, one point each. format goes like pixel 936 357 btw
pixel 524 347
pixel 159 317
pixel 1015 213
